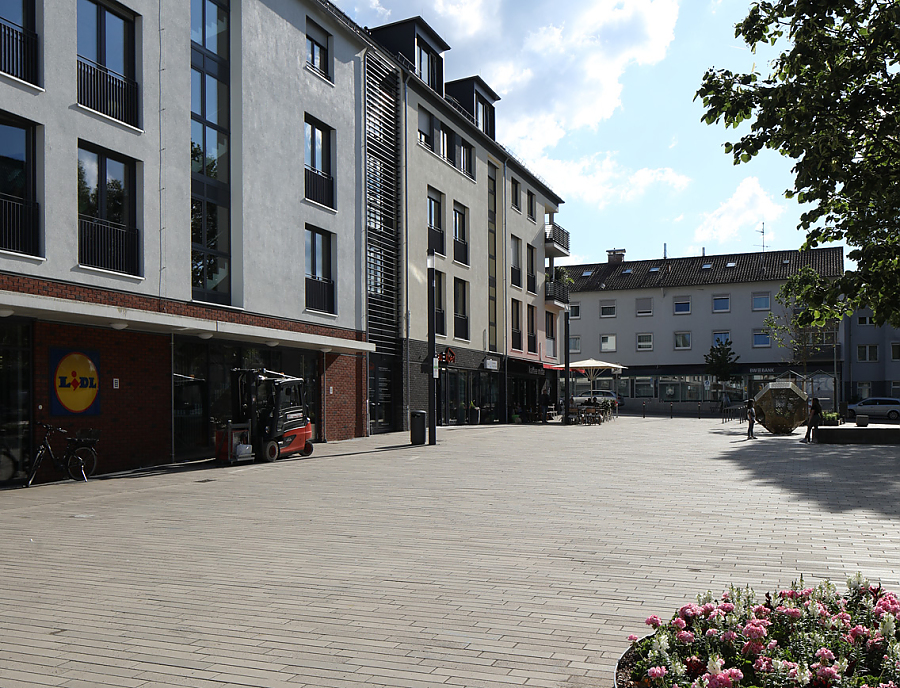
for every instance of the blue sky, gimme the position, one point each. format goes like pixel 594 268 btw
pixel 597 98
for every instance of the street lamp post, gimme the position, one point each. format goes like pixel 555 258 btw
pixel 432 354
pixel 566 385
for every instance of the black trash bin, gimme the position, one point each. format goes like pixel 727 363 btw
pixel 417 427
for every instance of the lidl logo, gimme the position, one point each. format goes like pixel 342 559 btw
pixel 76 383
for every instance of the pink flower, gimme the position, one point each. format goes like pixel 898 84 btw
pixel 790 612
pixel 632 637
pixel 856 633
pixel 654 621
pixel 772 645
pixel 657 672
pixel 763 664
pixel 825 653
pixel 685 637
pixel 729 636
pixel 761 611
pixel 752 647
pixel 755 631
pixel 726 607
pixel 711 633
pixel 679 623
pixel 689 611
pixel 707 609
pixel 827 673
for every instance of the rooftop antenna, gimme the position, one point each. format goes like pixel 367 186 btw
pixel 665 252
pixel 763 232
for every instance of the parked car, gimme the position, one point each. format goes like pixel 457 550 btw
pixel 876 407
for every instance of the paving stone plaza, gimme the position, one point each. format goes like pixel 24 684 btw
pixel 513 555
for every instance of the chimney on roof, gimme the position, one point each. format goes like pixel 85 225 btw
pixel 616 255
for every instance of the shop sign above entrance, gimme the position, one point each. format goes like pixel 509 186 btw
pixel 447 356
pixel 491 364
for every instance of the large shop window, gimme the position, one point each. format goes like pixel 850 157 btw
pixel 210 153
pixel 107 234
pixel 106 62
pixel 19 213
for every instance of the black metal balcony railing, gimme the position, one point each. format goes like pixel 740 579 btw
pixel 18 52
pixel 554 290
pixel 461 326
pixel 440 321
pixel 532 283
pixel 460 252
pixel 18 225
pixel 556 234
pixel 532 343
pixel 108 245
pixel 319 187
pixel 106 92
pixel 515 276
pixel 516 342
pixel 436 240
pixel 320 294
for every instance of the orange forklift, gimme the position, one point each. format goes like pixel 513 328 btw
pixel 269 417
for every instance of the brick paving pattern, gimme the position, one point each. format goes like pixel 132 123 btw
pixel 518 555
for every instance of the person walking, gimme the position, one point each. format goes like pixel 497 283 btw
pixel 813 422
pixel 751 419
pixel 545 406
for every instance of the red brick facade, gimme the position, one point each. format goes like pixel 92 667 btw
pixel 344 394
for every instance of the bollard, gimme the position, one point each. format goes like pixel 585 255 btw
pixel 671 409
pixel 698 410
pixel 644 404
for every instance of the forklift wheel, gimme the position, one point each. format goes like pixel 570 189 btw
pixel 307 449
pixel 271 451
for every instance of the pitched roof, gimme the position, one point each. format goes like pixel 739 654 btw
pixel 700 270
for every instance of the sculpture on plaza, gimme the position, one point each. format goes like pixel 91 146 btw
pixel 781 407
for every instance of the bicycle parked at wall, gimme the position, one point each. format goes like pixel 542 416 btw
pixel 79 459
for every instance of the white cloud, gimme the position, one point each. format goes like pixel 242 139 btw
pixel 505 77
pixel 743 212
pixel 375 10
pixel 679 218
pixel 640 181
pixel 674 142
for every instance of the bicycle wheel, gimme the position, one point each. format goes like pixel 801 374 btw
pixel 81 463
pixel 34 467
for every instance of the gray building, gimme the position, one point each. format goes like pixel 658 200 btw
pixel 660 317
pixel 871 367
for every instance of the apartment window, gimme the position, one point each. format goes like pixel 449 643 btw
pixel 867 352
pixel 607 342
pixel 645 342
pixel 106 62
pixel 532 330
pixel 682 341
pixel 426 129
pixel 608 308
pixel 107 236
pixel 721 337
pixel 317 40
pixel 721 303
pixel 460 308
pixel 531 283
pixel 19 216
pixel 575 345
pixel 210 144
pixel 467 158
pixel 761 301
pixel 895 352
pixel 319 282
pixel 865 320
pixel 643 306
pixel 319 182
pixel 427 66
pixel 515 261
pixel 447 144
pixel 895 388
pixel 440 317
pixel 761 339
pixel 574 311
pixel 515 318
pixel 682 305
pixel 515 194
pixel 550 324
pixel 435 222
pixel 460 237
pixel 531 204
pixel 18 42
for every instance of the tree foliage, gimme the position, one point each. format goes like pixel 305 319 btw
pixel 801 342
pixel 829 102
pixel 721 361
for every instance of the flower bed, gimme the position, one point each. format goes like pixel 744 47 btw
pixel 797 637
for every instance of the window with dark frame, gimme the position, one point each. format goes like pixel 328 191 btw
pixel 106 62
pixel 532 329
pixel 435 223
pixel 440 316
pixel 107 236
pixel 317 40
pixel 426 128
pixel 319 268
pixel 18 41
pixel 515 318
pixel 317 156
pixel 515 261
pixel 550 324
pixel 531 275
pixel 460 308
pixel 515 194
pixel 484 115
pixel 867 352
pixel 210 152
pixel 531 206
pixel 460 237
pixel 19 211
pixel 427 65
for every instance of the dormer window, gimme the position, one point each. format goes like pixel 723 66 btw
pixel 626 271
pixel 707 266
pixel 484 116
pixel 730 265
pixel 654 269
pixel 427 66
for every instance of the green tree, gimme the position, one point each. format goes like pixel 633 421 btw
pixel 829 102
pixel 800 341
pixel 721 362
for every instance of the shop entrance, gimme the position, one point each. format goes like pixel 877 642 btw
pixel 15 399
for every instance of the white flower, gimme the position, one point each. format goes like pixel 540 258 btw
pixel 804 675
pixel 857 582
pixel 888 626
pixel 715 664
pixel 661 643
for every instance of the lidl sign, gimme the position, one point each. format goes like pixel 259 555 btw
pixel 75 385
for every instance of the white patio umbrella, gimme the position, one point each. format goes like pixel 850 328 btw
pixel 591 367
